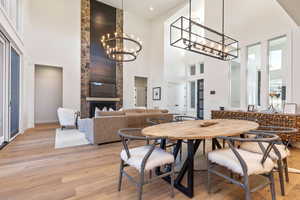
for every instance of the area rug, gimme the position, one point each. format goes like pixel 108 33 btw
pixel 69 138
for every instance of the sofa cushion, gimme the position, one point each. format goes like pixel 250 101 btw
pixel 110 113
pixel 153 111
pixel 135 110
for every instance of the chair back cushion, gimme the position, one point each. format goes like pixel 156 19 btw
pixel 66 117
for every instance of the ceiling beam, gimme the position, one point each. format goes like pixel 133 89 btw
pixel 292 9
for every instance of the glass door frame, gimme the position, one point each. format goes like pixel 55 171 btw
pixel 2 95
pixel 285 69
pixel 11 46
pixel 5 94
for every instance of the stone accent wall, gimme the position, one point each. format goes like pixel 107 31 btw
pixel 119 66
pixel 85 56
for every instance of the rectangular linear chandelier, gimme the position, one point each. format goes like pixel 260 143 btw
pixel 187 34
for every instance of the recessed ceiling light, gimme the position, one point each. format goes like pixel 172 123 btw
pixel 151 8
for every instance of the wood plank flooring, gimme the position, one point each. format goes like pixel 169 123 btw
pixel 31 169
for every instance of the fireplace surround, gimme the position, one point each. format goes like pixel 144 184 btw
pixel 100 77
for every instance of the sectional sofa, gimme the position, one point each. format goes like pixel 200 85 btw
pixel 104 126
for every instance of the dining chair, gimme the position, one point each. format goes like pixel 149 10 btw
pixel 279 153
pixel 245 163
pixel 144 159
pixel 156 121
pixel 180 118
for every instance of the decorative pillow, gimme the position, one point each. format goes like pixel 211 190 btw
pixel 121 109
pixel 104 109
pixel 111 110
pixel 97 112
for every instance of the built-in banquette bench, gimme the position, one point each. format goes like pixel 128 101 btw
pixel 264 119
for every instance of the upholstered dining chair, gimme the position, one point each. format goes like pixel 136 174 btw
pixel 144 159
pixel 245 163
pixel 279 153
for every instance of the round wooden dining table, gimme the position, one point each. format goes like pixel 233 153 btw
pixel 194 132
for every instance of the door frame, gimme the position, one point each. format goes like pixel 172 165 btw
pixel 4 92
pixel 12 46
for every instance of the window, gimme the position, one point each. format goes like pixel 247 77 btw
pixel 276 64
pixel 193 94
pixel 192 70
pixel 13 10
pixel 201 68
pixel 3 3
pixel 254 74
pixel 235 83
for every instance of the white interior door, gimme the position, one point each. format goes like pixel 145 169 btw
pixel 176 98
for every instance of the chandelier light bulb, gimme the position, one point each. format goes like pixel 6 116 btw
pixel 193 38
pixel 118 52
pixel 220 47
pixel 226 50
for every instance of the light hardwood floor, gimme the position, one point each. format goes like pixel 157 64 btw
pixel 31 169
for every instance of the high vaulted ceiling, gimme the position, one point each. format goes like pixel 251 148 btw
pixel 146 8
pixel 292 8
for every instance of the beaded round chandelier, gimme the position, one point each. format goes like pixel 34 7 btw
pixel 121 47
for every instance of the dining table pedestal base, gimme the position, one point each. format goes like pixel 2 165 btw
pixel 186 169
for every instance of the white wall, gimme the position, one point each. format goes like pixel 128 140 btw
pixel 158 69
pixel 177 61
pixel 52 37
pixel 249 28
pixel 48 93
pixel 140 28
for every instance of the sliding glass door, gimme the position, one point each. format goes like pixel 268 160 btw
pixel 15 93
pixel 254 74
pixel 2 88
pixel 277 57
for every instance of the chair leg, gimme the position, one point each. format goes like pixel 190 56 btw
pixel 272 186
pixel 172 181
pixel 208 176
pixel 180 152
pixel 121 175
pixel 140 186
pixel 247 188
pixel 281 178
pixel 286 169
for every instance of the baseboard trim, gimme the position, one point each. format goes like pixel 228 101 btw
pixel 3 145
